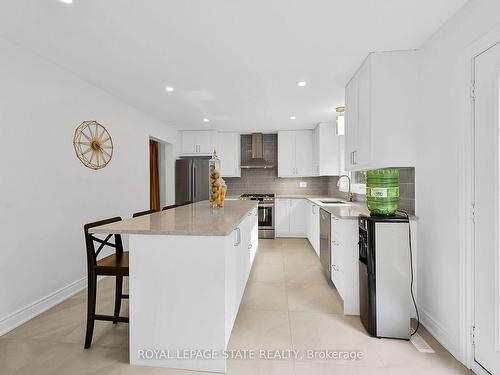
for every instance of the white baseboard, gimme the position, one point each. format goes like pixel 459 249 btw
pixel 289 235
pixel 26 313
pixel 439 333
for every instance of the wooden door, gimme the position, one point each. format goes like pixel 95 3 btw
pixel 154 176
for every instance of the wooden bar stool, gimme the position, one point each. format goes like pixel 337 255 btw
pixel 113 265
pixel 142 213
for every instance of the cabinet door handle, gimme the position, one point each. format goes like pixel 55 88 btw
pixel 354 157
pixel 249 246
pixel 238 238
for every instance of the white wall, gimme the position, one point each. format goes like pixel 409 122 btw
pixel 46 193
pixel 442 173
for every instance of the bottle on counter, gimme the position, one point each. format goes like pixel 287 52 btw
pixel 214 180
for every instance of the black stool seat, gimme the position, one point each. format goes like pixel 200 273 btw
pixel 112 265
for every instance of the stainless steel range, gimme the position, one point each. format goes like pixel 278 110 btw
pixel 266 213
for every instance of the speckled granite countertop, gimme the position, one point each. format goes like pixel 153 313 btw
pixel 197 219
pixel 348 210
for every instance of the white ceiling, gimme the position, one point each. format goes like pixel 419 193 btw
pixel 232 61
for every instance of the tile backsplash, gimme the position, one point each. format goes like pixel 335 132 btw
pixel 406 190
pixel 262 181
pixel 266 180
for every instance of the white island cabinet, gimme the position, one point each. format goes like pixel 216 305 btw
pixel 188 269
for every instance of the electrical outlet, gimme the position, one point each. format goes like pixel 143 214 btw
pixel 302 184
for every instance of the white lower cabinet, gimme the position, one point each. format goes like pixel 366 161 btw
pixel 345 267
pixel 308 219
pixel 312 225
pixel 290 217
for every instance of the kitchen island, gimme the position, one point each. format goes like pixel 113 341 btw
pixel 188 269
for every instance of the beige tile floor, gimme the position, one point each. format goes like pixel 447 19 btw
pixel 287 305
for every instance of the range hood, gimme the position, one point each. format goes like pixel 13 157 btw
pixel 257 160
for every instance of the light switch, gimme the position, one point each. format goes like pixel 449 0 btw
pixel 303 184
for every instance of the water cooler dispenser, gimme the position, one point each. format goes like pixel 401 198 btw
pixel 384 275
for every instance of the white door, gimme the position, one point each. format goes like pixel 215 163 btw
pixel 317 150
pixel 206 141
pixel 189 142
pixel 486 222
pixel 286 154
pixel 328 149
pixel 282 217
pixel 362 153
pixel 308 219
pixel 315 228
pixel 304 141
pixel 298 217
pixel 228 150
pixel 351 121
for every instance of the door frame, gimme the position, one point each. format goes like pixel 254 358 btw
pixel 167 170
pixel 467 250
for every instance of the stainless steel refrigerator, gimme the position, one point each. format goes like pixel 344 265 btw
pixel 191 180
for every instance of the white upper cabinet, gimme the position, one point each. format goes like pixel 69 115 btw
pixel 286 154
pixel 381 104
pixel 327 150
pixel 228 150
pixel 198 142
pixel 295 153
pixel 304 143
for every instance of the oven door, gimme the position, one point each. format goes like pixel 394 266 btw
pixel 266 216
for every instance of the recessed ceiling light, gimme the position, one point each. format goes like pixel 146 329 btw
pixel 169 89
pixel 206 120
pixel 67 1
pixel 302 83
pixel 292 117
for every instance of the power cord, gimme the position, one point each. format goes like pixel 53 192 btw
pixel 411 270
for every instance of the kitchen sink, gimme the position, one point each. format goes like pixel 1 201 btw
pixel 332 202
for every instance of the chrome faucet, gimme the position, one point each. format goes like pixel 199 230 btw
pixel 349 195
